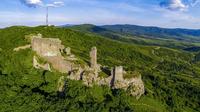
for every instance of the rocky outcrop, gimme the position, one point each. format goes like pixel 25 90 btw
pixel 51 50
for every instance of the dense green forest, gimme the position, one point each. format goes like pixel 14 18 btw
pixel 171 76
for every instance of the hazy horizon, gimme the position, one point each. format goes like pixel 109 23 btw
pixel 158 13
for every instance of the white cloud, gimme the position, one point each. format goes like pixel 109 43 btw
pixel 194 2
pixel 177 19
pixel 174 5
pixel 55 4
pixel 36 3
pixel 32 3
pixel 180 5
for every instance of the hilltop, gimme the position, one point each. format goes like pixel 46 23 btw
pixel 170 75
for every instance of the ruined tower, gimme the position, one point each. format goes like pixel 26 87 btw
pixel 118 73
pixel 93 57
pixel 116 76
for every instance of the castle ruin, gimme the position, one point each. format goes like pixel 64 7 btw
pixel 51 50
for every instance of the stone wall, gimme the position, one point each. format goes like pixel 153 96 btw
pixel 47 46
pixel 59 64
pixel 118 73
pixel 51 50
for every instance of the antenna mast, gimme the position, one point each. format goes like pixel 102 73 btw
pixel 47 16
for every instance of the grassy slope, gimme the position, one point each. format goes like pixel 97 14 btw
pixel 171 80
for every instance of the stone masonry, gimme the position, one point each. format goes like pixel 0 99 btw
pixel 51 50
pixel 118 73
pixel 47 47
pixel 93 57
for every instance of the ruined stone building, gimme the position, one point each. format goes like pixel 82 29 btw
pixel 51 50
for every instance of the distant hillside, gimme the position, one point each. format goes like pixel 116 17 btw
pixel 179 34
pixel 140 35
pixel 89 28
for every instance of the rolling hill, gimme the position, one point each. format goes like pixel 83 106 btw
pixel 156 32
pixel 171 76
pixel 143 36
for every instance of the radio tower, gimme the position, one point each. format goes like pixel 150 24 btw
pixel 47 16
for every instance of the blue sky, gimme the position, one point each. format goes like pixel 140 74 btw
pixel 162 13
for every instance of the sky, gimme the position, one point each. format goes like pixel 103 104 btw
pixel 161 13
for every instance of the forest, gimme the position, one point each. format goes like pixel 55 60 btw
pixel 171 75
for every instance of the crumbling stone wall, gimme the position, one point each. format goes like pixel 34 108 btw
pixel 47 46
pixel 59 64
pixel 51 49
